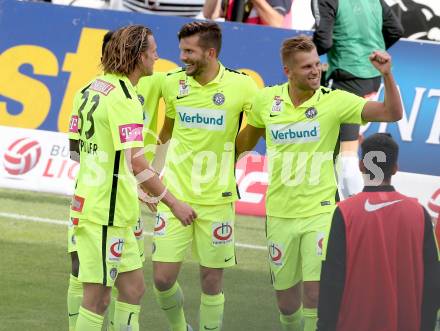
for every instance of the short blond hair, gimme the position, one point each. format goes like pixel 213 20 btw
pixel 122 51
pixel 301 43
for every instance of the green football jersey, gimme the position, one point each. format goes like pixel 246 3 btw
pixel 199 166
pixel 149 91
pixel 106 119
pixel 300 144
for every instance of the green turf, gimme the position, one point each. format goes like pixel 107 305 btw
pixel 34 271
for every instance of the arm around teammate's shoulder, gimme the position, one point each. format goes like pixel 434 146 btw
pixel 390 110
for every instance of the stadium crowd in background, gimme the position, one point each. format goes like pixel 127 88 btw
pixel 348 31
pixel 381 268
pixel 273 13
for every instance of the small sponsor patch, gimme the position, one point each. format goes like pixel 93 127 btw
pixel 226 194
pixel 113 273
pixel 183 88
pixel 73 239
pixel 73 125
pixel 319 243
pixel 102 87
pixel 218 99
pixel 222 233
pixel 77 203
pixel 325 203
pixel 139 229
pixel 141 99
pixel 160 225
pixel 130 132
pixel 311 112
pixel 73 221
pixel 116 245
pixel 276 254
pixel 277 104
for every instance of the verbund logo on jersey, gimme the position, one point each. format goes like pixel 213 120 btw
pixel 22 156
pixel 208 119
pixel 302 132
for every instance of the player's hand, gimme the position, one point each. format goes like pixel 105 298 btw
pixel 381 60
pixel 184 213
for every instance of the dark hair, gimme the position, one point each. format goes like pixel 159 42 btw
pixel 210 34
pixel 382 142
pixel 105 40
pixel 301 43
pixel 121 54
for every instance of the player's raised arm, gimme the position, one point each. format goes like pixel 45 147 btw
pixel 247 139
pixel 390 110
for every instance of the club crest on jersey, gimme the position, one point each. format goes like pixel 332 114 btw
pixel 276 254
pixel 218 99
pixel 160 225
pixel 319 243
pixel 311 112
pixel 113 273
pixel 102 87
pixel 222 233
pixel 141 99
pixel 183 88
pixel 115 248
pixel 277 104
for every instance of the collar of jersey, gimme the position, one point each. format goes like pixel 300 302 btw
pixel 306 104
pixel 117 77
pixel 192 82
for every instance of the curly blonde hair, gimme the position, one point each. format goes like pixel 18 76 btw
pixel 121 54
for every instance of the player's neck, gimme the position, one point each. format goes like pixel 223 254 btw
pixel 209 74
pixel 299 96
pixel 134 77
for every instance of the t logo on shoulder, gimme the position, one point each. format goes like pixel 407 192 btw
pixel 130 132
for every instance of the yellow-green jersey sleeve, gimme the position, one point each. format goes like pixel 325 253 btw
pixel 250 90
pixel 350 107
pixel 254 117
pixel 126 124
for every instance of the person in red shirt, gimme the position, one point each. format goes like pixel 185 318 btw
pixel 273 13
pixel 381 269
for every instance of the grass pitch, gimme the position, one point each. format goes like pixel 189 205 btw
pixel 34 271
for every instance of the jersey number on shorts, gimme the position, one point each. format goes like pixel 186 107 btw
pixel 90 132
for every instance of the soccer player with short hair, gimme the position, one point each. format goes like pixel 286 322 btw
pixel 300 121
pixel 205 102
pixel 381 268
pixel 104 206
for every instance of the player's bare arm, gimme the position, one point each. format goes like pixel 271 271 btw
pixel 150 182
pixel 247 139
pixel 391 109
pixel 74 149
pixel 162 144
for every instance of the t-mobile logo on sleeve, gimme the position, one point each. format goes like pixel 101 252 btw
pixel 130 132
pixel 73 126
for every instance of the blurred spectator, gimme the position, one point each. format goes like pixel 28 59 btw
pixel 264 12
pixel 187 8
pixel 349 31
pixel 419 21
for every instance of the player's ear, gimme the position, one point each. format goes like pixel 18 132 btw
pixel 395 169
pixel 286 70
pixel 362 166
